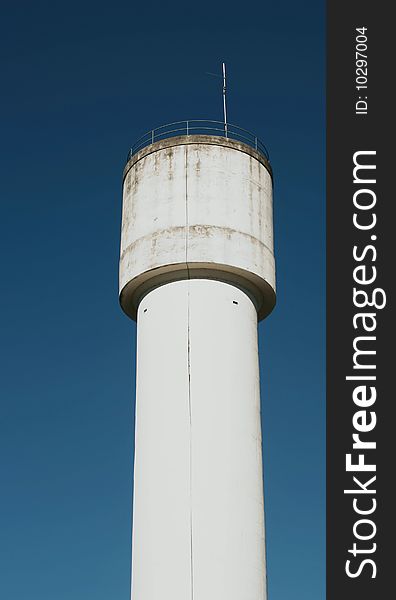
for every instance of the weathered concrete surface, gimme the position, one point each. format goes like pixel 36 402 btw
pixel 197 139
pixel 197 207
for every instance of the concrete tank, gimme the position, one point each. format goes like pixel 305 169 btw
pixel 197 208
pixel 197 271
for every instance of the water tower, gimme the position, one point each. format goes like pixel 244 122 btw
pixel 197 272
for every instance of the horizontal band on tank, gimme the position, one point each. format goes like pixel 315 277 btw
pixel 259 291
pixel 197 139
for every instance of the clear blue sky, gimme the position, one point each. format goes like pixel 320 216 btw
pixel 80 82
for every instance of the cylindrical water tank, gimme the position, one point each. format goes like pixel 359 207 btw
pixel 197 206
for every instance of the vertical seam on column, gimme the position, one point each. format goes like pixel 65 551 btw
pixel 189 380
pixel 190 449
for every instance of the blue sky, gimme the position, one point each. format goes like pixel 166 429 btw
pixel 80 83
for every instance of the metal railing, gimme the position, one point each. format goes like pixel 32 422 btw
pixel 199 127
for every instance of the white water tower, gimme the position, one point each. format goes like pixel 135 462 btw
pixel 197 271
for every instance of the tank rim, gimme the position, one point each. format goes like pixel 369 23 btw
pixel 210 140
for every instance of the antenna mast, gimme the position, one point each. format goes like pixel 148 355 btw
pixel 224 96
pixel 224 99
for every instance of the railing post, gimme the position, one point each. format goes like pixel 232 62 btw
pixel 255 142
pixel 187 127
pixel 152 136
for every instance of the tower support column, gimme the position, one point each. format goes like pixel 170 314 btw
pixel 198 516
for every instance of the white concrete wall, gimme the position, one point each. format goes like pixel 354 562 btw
pixel 198 529
pixel 205 206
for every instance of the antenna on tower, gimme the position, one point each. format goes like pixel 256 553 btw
pixel 224 99
pixel 224 95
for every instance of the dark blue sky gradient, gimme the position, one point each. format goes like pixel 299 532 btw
pixel 80 82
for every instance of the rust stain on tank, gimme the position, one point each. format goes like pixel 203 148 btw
pixel 169 154
pixel 156 162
